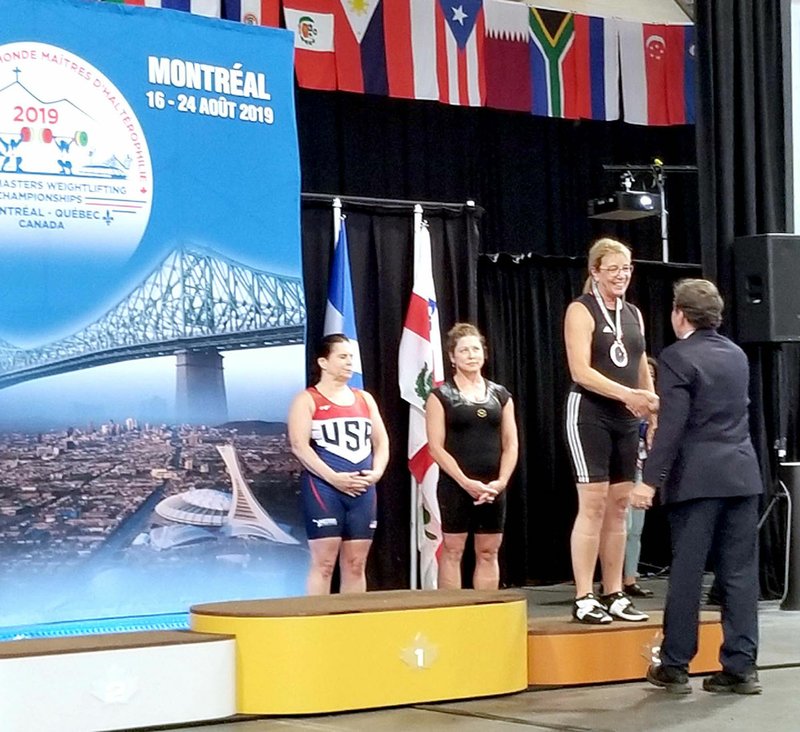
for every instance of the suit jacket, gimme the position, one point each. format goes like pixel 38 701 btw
pixel 702 448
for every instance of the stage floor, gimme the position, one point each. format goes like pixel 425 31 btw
pixel 621 707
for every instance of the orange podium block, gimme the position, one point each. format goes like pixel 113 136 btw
pixel 562 652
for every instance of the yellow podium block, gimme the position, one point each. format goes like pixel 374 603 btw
pixel 327 654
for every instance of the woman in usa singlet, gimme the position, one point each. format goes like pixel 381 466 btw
pixel 337 433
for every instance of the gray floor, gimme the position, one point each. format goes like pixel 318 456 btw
pixel 613 707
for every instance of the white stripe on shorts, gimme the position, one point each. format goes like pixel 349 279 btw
pixel 574 437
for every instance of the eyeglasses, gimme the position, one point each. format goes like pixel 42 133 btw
pixel 614 270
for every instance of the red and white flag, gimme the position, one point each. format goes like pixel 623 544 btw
pixel 460 34
pixel 657 64
pixel 252 12
pixel 421 369
pixel 312 22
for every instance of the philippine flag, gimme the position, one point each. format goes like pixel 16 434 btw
pixel 252 12
pixel 361 47
pixel 658 73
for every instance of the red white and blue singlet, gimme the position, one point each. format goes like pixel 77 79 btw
pixel 341 436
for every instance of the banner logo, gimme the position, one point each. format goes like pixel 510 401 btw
pixel 75 170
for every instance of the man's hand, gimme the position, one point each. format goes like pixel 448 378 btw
pixel 642 496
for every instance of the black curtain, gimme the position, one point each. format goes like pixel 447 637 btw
pixel 523 302
pixel 532 175
pixel 742 161
pixel 380 238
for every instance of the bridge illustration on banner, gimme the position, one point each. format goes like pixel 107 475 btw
pixel 193 305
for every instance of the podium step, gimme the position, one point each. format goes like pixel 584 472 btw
pixel 311 655
pixel 116 681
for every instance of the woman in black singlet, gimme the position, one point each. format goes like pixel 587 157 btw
pixel 472 435
pixel 612 391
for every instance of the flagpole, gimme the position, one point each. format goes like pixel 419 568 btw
pixel 337 218
pixel 414 553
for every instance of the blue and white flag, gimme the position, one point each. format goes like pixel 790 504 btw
pixel 340 315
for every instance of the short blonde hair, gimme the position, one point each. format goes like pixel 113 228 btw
pixel 600 249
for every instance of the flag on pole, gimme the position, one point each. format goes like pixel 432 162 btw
pixel 340 315
pixel 420 369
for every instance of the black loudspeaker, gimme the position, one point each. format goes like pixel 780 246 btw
pixel 767 288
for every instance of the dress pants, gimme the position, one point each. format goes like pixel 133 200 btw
pixel 726 529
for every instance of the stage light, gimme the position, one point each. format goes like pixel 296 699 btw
pixel 625 206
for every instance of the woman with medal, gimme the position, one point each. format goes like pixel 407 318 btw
pixel 472 435
pixel 612 391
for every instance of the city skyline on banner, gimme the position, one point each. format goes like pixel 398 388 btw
pixel 153 313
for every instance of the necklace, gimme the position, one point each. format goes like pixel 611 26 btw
pixel 617 352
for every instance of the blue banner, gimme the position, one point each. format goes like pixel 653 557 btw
pixel 151 311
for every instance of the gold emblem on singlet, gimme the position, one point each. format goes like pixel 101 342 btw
pixel 481 412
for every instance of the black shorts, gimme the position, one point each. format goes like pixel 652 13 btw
pixel 602 443
pixel 460 515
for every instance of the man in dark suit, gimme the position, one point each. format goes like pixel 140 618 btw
pixel 704 466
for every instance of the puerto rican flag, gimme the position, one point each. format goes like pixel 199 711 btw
pixel 340 313
pixel 460 36
pixel 209 8
pixel 420 368
pixel 361 47
pixel 252 12
pixel 658 73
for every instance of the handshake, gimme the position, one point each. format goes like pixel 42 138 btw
pixel 641 402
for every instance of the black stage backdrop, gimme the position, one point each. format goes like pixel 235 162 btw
pixel 380 239
pixel 522 309
pixel 533 176
pixel 743 173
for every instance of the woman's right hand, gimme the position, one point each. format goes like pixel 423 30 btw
pixel 641 403
pixel 481 492
pixel 351 484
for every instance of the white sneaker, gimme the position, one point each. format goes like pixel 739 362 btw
pixel 619 605
pixel 588 609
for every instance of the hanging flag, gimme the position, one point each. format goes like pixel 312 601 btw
pixel 252 12
pixel 420 368
pixel 507 56
pixel 340 314
pixel 209 8
pixel 592 90
pixel 460 36
pixel 411 48
pixel 574 65
pixel 360 44
pixel 658 73
pixel 314 60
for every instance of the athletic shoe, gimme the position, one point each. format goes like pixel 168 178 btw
pixel 636 590
pixel 727 683
pixel 673 679
pixel 588 609
pixel 619 605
